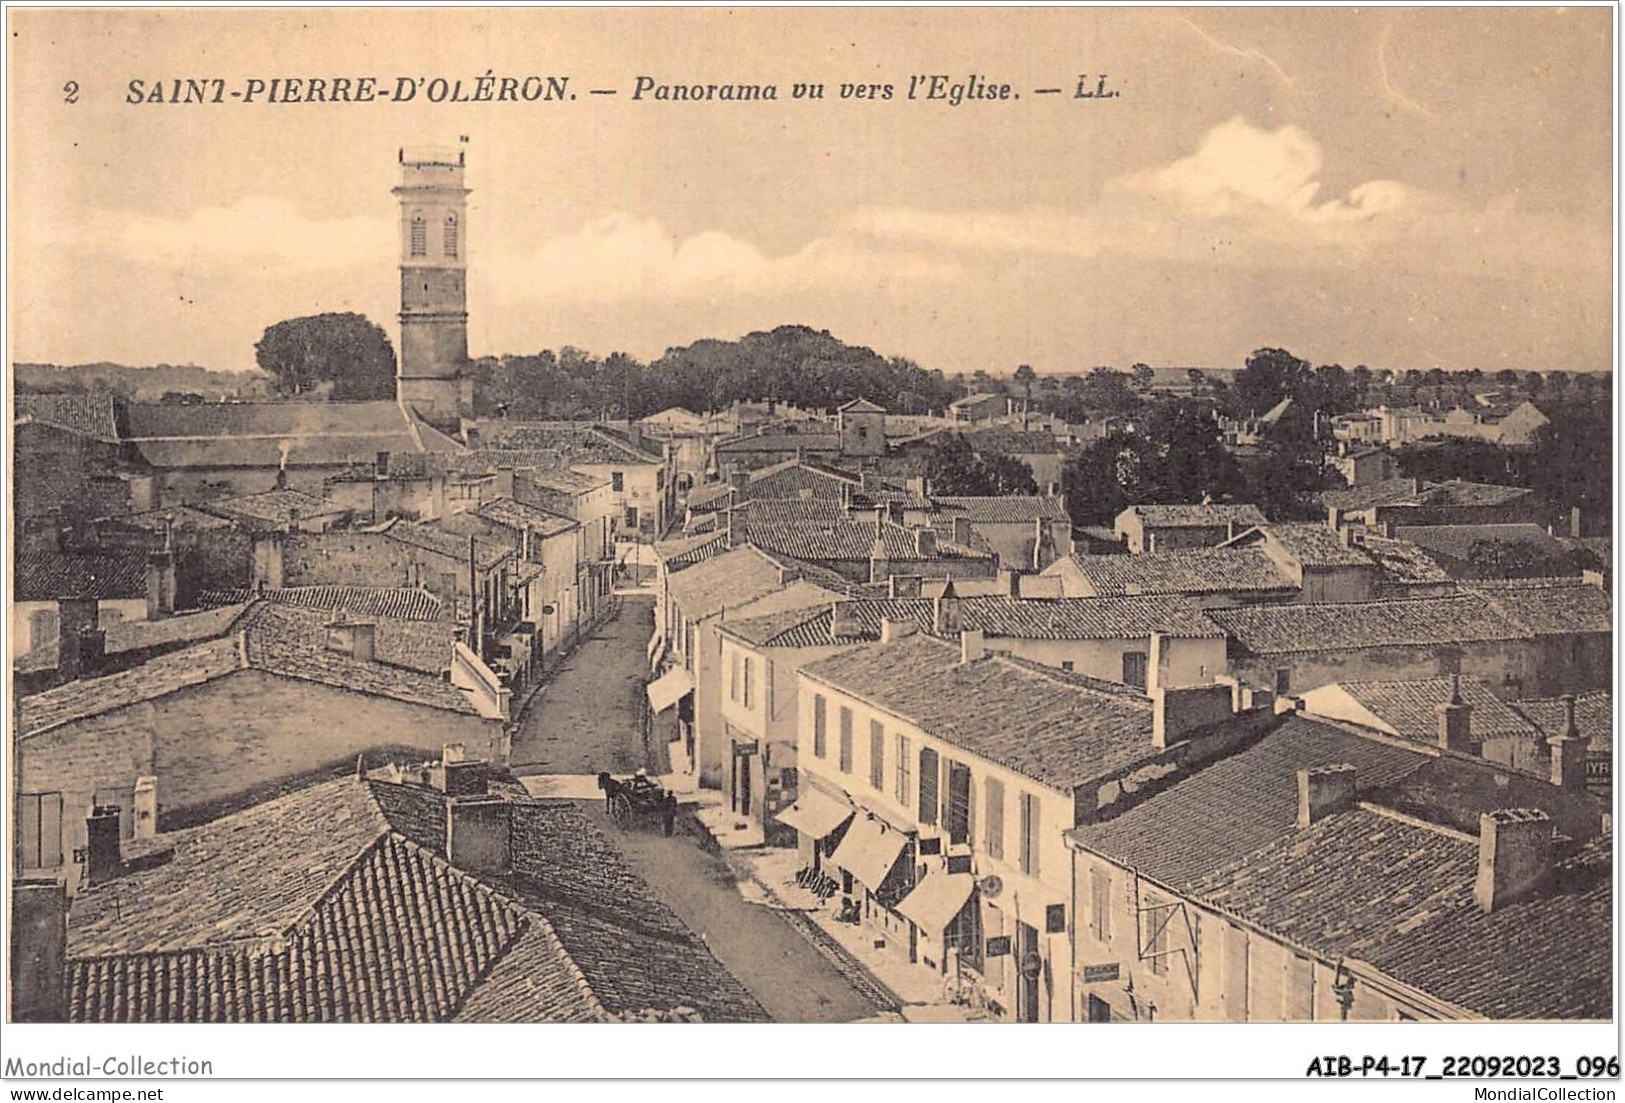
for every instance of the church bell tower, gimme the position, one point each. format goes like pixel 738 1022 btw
pixel 432 378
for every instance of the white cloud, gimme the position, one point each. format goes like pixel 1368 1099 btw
pixel 1034 231
pixel 620 257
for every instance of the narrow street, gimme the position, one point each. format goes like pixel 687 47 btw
pixel 587 720
pixel 786 974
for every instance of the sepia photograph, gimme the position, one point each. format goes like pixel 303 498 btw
pixel 929 516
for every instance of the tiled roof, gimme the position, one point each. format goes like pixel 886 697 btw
pixel 266 434
pixel 687 550
pixel 1316 545
pixel 1457 541
pixel 1550 606
pixel 846 540
pixel 274 507
pixel 366 601
pixel 51 576
pixel 702 496
pixel 1386 492
pixel 973 400
pixel 177 518
pixel 1011 442
pixel 1253 793
pixel 89 415
pixel 566 481
pixel 733 578
pixel 313 910
pixel 283 640
pixel 1460 492
pixel 567 443
pixel 1197 515
pixel 1546 956
pixel 786 628
pixel 487 554
pixel 1593 715
pixel 1197 571
pixel 520 515
pixel 1006 508
pixel 143 635
pixel 1415 622
pixel 1028 719
pixel 1411 708
pixel 785 511
pixel 1410 492
pixel 1086 618
pixel 783 442
pixel 1403 561
pixel 860 406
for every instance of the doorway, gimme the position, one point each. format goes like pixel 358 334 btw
pixel 1029 970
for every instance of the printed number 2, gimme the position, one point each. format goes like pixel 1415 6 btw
pixel 70 92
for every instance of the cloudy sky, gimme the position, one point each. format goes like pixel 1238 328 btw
pixel 1401 188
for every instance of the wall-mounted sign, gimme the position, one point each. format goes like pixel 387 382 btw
pixel 1032 965
pixel 1100 974
pixel 998 946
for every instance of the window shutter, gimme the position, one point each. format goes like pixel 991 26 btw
pixel 993 815
pixel 928 785
pixel 877 754
pixel 820 723
pixel 846 740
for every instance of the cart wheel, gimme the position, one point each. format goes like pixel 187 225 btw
pixel 620 810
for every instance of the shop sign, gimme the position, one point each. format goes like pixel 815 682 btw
pixel 1100 974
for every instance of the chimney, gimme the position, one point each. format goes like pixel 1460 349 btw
pixel 1043 546
pixel 894 510
pixel 146 807
pixel 971 645
pixel 1514 855
pixel 39 950
pixel 739 479
pixel 736 533
pixel 1334 518
pixel 282 476
pixel 74 616
pixel 945 611
pixel 381 465
pixel 1230 529
pixel 880 520
pixel 1345 536
pixel 479 834
pixel 102 843
pixel 92 651
pixel 161 582
pixel 1012 583
pixel 879 562
pixel 925 543
pixel 1323 790
pixel 1455 721
pixel 916 485
pixel 962 531
pixel 352 638
pixel 903 585
pixel 1568 749
pixel 891 629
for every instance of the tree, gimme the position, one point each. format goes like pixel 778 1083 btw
pixel 1107 392
pixel 1025 376
pixel 1143 377
pixel 1268 376
pixel 954 467
pixel 1196 379
pixel 346 350
pixel 1570 466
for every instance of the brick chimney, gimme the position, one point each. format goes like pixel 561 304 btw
pixel 1323 790
pixel 1514 855
pixel 161 581
pixel 75 616
pixel 39 950
pixel 479 834
pixel 945 611
pixel 895 629
pixel 102 844
pixel 971 645
pixel 1455 721
pixel 1568 750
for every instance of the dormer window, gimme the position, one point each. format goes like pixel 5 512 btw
pixel 419 244
pixel 451 236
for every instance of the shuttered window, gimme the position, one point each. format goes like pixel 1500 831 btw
pixel 928 785
pixel 820 726
pixel 750 695
pixel 904 764
pixel 877 755
pixel 1157 919
pixel 451 235
pixel 420 236
pixel 1029 834
pixel 733 678
pixel 846 740
pixel 958 803
pixel 1100 904
pixel 993 815
pixel 41 830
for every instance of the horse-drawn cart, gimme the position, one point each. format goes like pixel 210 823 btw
pixel 638 797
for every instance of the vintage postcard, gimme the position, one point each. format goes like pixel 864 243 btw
pixel 906 515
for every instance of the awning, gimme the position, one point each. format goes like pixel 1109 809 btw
pixel 937 900
pixel 815 814
pixel 666 690
pixel 656 643
pixel 868 851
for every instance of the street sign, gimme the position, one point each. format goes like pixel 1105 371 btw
pixel 1100 974
pixel 998 946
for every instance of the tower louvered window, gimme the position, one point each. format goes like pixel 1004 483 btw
pixel 451 235
pixel 420 237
